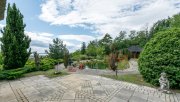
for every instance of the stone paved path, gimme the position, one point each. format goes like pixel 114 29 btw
pixel 79 88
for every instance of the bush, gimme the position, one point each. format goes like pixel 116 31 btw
pixel 162 54
pixel 46 64
pixel 12 74
pixel 30 62
pixel 81 57
pixel 58 61
pixel 123 64
pixel 1 67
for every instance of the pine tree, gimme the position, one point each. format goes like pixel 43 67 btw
pixel 83 48
pixel 15 44
pixel 56 50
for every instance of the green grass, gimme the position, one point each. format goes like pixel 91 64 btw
pixel 132 78
pixel 124 64
pixel 49 73
pixel 135 79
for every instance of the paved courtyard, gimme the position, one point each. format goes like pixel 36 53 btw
pixel 79 88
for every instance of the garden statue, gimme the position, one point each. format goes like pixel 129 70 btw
pixel 164 83
pixel 57 69
pixel 37 59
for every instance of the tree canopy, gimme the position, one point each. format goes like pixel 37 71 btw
pixel 56 50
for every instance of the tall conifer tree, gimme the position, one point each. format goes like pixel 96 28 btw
pixel 15 44
pixel 83 48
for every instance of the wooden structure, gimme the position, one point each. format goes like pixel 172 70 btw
pixel 2 8
pixel 135 51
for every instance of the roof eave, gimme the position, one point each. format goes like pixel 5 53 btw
pixel 2 9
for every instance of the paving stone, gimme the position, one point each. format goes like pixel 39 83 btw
pixel 116 99
pixel 155 99
pixel 79 88
pixel 69 95
pixel 83 100
pixel 137 99
pixel 124 94
pixel 14 100
pixel 178 97
pixel 67 101
pixel 7 97
pixel 141 95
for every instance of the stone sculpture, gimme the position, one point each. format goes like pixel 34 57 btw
pixel 164 83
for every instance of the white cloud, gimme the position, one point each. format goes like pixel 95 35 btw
pixel 40 41
pixel 41 37
pixel 81 38
pixel 1 26
pixel 38 49
pixel 107 16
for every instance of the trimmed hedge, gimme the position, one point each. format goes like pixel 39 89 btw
pixel 162 54
pixel 46 64
pixel 15 73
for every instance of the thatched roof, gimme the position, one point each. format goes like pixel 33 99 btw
pixel 2 8
pixel 135 48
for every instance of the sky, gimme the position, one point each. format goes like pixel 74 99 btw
pixel 77 21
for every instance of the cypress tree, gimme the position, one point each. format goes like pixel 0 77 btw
pixel 83 48
pixel 15 44
pixel 66 57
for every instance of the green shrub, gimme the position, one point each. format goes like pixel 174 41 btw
pixel 1 59
pixel 59 61
pixel 47 63
pixel 29 68
pixel 102 65
pixel 30 62
pixel 12 74
pixel 162 54
pixel 80 57
pixel 1 67
pixel 83 57
pixel 123 64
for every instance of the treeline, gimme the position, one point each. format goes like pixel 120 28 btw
pixel 106 45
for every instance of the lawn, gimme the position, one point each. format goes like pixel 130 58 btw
pixel 49 73
pixel 132 78
pixel 135 79
pixel 124 64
